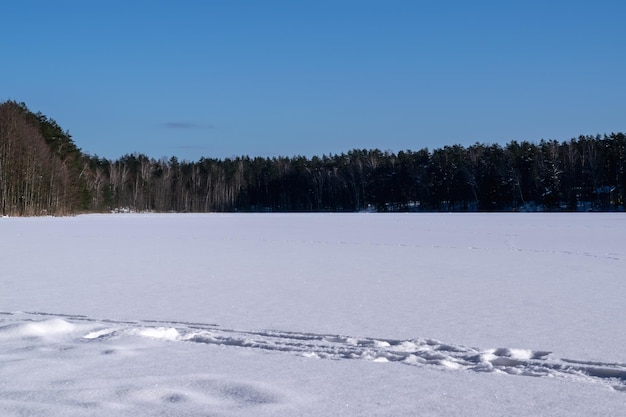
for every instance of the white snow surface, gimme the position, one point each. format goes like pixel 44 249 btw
pixel 511 314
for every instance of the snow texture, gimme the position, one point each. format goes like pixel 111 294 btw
pixel 313 314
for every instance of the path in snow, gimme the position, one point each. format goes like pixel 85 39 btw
pixel 416 352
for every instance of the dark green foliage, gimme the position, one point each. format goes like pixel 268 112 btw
pixel 43 171
pixel 520 176
pixel 34 180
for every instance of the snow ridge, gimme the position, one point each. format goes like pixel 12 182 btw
pixel 414 352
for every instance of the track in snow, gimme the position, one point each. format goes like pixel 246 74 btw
pixel 416 352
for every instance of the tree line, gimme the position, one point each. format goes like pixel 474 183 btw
pixel 42 171
pixel 39 164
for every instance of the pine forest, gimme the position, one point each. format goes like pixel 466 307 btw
pixel 43 172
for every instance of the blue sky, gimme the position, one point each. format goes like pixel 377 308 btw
pixel 269 78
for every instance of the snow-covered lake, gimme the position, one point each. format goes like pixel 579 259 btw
pixel 313 314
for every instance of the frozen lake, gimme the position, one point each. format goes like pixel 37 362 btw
pixel 313 314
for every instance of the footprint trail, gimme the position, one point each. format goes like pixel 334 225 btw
pixel 413 352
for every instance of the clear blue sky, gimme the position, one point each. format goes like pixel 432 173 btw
pixel 268 78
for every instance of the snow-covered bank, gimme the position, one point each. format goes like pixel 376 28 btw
pixel 267 297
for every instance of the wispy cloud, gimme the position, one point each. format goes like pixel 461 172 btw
pixel 186 125
pixel 193 147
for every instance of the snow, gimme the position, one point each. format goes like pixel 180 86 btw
pixel 313 314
